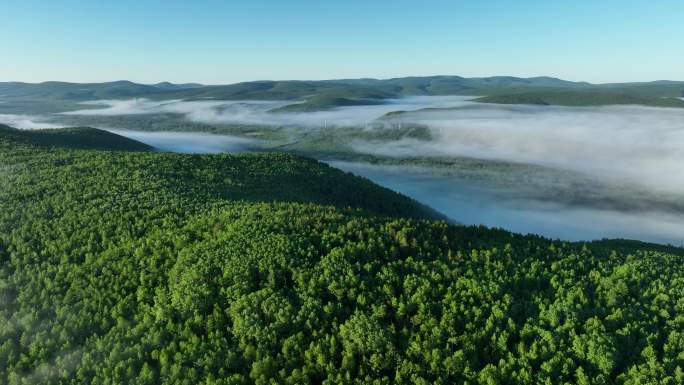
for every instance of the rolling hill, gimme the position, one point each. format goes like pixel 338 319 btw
pixel 160 268
pixel 348 88
pixel 237 177
pixel 72 137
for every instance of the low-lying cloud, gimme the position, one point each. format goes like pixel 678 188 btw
pixel 639 143
pixel 26 122
pixel 642 144
pixel 257 112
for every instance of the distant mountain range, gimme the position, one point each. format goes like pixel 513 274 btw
pixel 330 93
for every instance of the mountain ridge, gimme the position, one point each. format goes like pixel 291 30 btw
pixel 293 89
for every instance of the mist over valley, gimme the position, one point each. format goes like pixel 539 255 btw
pixel 575 173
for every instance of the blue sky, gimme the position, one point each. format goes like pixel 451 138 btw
pixel 229 41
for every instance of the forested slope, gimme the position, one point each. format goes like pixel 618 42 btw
pixel 72 137
pixel 149 268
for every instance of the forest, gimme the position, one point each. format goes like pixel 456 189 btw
pixel 120 265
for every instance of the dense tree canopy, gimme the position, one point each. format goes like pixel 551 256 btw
pixel 71 137
pixel 153 268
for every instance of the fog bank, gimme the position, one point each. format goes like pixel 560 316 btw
pixel 26 122
pixel 641 144
pixel 257 112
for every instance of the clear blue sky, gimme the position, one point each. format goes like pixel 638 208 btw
pixel 229 41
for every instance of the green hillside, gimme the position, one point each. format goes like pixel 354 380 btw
pixel 159 268
pixel 72 137
pixel 580 99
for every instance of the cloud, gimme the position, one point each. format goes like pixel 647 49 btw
pixel 25 122
pixel 257 112
pixel 641 144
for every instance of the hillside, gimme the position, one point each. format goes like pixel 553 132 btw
pixel 159 268
pixel 580 99
pixel 260 177
pixel 73 137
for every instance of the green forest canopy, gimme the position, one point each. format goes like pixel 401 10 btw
pixel 157 268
